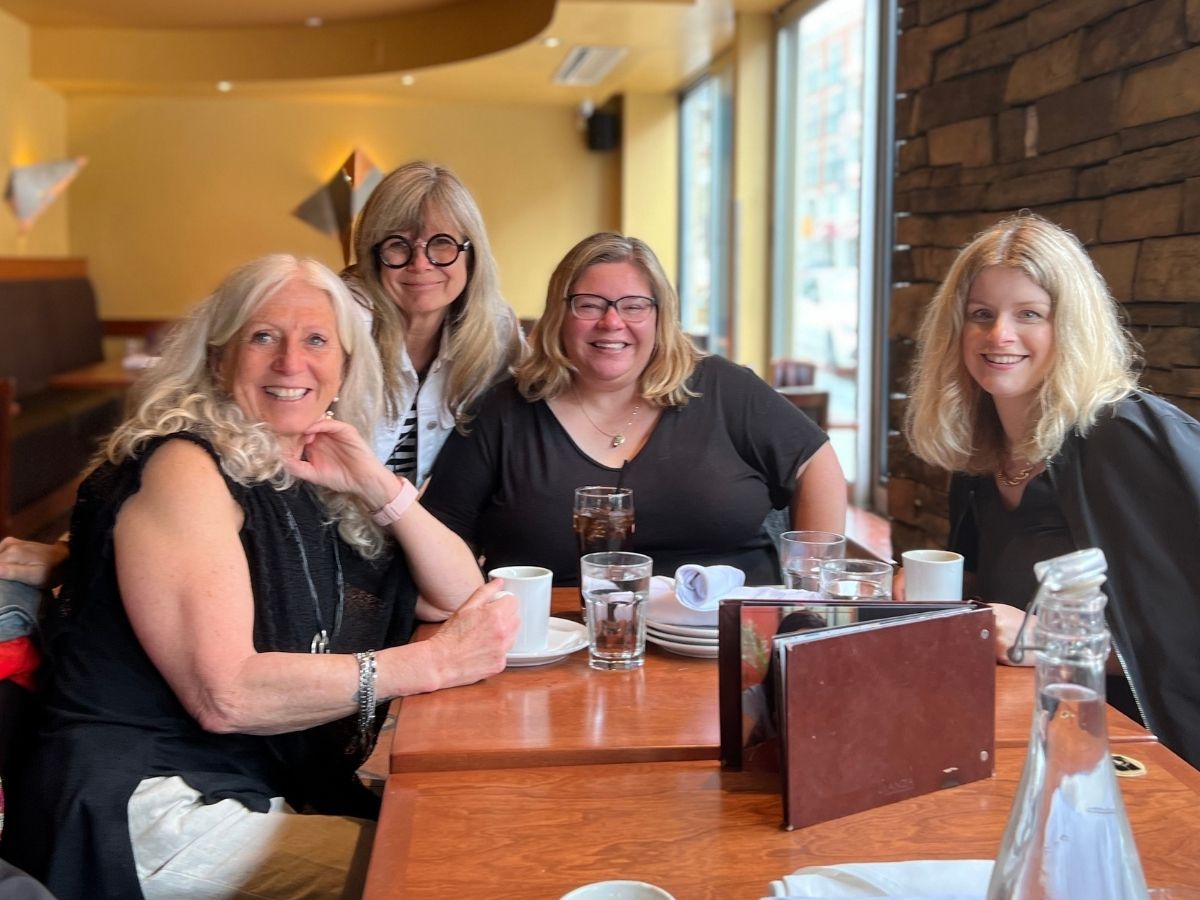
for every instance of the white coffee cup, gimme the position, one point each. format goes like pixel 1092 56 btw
pixel 617 890
pixel 932 575
pixel 531 586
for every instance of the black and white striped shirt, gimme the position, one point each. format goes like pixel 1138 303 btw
pixel 403 458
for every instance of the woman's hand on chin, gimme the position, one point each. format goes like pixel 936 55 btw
pixel 334 455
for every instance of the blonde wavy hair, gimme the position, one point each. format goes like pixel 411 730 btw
pixel 402 203
pixel 951 422
pixel 184 391
pixel 547 371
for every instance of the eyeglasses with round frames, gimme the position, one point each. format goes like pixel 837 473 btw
pixel 441 250
pixel 631 308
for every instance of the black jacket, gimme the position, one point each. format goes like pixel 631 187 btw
pixel 1132 488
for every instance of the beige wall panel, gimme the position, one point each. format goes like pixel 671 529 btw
pixel 650 175
pixel 33 128
pixel 752 190
pixel 181 190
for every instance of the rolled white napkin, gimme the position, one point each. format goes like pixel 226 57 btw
pixel 943 879
pixel 702 587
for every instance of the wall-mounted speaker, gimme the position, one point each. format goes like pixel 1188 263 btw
pixel 604 126
pixel 603 131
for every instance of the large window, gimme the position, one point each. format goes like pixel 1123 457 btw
pixel 704 216
pixel 824 275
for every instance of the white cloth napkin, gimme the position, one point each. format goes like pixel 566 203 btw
pixel 925 879
pixel 702 587
pixel 663 606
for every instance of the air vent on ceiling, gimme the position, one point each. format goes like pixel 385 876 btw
pixel 588 65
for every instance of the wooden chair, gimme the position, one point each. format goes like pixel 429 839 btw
pixel 811 401
pixel 792 373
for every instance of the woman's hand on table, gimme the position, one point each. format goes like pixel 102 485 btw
pixel 1008 623
pixel 472 643
pixel 29 562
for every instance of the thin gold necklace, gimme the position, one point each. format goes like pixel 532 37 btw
pixel 619 437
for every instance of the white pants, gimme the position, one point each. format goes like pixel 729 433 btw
pixel 186 850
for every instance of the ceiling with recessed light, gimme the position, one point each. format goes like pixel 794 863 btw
pixel 372 50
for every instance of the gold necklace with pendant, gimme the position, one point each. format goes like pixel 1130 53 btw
pixel 619 437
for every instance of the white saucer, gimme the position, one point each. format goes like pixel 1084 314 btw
pixel 703 651
pixel 693 631
pixel 562 639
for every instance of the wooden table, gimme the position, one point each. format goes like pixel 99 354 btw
pixel 538 832
pixel 566 713
pixel 110 373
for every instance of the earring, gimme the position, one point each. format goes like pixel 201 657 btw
pixel 330 413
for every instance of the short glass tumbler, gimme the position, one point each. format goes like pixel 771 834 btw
pixel 615 587
pixel 856 579
pixel 801 553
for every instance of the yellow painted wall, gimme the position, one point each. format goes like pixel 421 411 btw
pixel 650 174
pixel 752 189
pixel 33 128
pixel 181 190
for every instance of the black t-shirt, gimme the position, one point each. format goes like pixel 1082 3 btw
pixel 1011 541
pixel 702 484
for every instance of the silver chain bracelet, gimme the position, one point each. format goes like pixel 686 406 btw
pixel 366 695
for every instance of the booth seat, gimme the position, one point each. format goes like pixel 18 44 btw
pixel 51 326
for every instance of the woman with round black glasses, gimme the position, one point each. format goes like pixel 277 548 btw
pixel 424 269
pixel 610 383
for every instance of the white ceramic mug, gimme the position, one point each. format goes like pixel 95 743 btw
pixel 531 586
pixel 617 890
pixel 932 575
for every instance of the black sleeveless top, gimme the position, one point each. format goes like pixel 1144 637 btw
pixel 110 719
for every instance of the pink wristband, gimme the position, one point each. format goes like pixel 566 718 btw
pixel 395 508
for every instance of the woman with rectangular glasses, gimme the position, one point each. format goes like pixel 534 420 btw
pixel 612 388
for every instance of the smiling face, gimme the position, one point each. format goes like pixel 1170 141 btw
pixel 421 289
pixel 609 352
pixel 285 364
pixel 1008 335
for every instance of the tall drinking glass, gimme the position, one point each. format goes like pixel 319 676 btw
pixel 615 589
pixel 603 522
pixel 603 519
pixel 801 553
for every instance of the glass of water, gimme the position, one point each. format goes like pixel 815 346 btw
pixel 856 579
pixel 801 553
pixel 615 587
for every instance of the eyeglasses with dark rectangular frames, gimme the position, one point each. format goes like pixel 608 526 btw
pixel 441 250
pixel 590 307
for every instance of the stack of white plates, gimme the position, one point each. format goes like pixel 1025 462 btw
pixel 686 640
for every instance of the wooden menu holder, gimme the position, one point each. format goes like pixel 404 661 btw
pixel 857 705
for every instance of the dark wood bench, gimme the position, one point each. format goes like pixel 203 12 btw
pixel 51 326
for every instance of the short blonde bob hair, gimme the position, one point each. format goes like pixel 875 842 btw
pixel 184 391
pixel 480 343
pixel 546 370
pixel 951 422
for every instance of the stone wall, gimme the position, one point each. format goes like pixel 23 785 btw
pixel 1085 111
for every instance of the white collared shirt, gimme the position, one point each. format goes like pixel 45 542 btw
pixel 434 417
